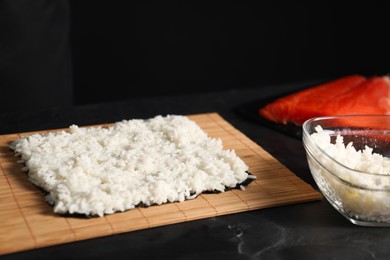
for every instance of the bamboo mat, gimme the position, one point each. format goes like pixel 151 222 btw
pixel 28 222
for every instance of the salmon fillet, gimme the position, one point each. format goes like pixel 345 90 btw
pixel 354 94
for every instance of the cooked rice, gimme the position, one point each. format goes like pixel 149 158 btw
pixel 97 170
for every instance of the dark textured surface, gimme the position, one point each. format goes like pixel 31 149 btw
pixel 303 231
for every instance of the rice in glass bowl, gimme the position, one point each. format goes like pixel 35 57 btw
pixel 349 158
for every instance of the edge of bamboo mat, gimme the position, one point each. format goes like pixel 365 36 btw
pixel 28 222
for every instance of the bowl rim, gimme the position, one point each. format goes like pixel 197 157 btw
pixel 306 134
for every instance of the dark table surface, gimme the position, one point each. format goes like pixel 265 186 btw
pixel 312 230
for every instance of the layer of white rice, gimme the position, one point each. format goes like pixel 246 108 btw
pixel 97 170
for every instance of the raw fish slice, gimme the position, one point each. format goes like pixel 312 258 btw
pixel 370 97
pixel 305 104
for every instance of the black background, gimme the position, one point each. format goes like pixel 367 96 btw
pixel 166 47
pixel 61 53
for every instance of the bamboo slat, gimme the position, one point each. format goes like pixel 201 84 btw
pixel 28 222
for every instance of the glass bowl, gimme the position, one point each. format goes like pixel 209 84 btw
pixel 349 158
